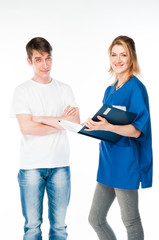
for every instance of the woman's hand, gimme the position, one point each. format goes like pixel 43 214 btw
pixel 103 124
pixel 124 130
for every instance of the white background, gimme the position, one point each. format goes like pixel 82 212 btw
pixel 80 33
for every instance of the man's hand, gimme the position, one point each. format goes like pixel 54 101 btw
pixel 71 114
pixel 69 111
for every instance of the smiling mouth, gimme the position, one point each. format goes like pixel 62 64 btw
pixel 45 71
pixel 117 65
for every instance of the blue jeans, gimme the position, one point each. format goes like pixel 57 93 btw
pixel 32 184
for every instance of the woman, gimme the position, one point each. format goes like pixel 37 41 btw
pixel 126 164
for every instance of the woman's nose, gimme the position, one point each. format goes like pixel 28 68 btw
pixel 118 58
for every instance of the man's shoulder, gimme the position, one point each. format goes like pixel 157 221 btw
pixel 24 85
pixel 61 84
pixel 22 88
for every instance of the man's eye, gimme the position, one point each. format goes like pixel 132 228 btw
pixel 37 60
pixel 49 58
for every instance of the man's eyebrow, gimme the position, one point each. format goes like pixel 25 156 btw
pixel 41 57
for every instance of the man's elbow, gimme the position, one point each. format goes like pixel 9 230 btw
pixel 24 130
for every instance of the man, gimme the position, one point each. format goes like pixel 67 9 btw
pixel 38 104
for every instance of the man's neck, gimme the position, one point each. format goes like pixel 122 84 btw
pixel 42 80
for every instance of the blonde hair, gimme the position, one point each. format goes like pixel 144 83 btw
pixel 129 45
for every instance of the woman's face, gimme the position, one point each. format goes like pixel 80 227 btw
pixel 119 60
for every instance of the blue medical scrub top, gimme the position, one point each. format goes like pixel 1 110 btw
pixel 128 163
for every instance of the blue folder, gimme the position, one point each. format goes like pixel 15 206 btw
pixel 114 116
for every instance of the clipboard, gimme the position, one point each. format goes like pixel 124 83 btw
pixel 111 114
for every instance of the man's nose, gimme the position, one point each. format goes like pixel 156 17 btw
pixel 45 64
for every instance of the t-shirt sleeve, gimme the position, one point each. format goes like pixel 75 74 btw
pixel 69 98
pixel 139 105
pixel 19 103
pixel 106 94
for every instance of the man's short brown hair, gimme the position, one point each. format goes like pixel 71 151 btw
pixel 40 44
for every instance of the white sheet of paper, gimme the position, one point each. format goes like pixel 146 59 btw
pixel 70 126
pixel 120 107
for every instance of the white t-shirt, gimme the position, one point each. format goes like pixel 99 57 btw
pixel 49 151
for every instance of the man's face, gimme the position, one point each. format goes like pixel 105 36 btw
pixel 41 63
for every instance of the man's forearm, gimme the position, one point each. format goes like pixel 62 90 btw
pixel 38 129
pixel 30 127
pixel 53 121
pixel 49 121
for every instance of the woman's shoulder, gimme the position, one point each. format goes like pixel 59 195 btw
pixel 138 89
pixel 110 87
pixel 135 83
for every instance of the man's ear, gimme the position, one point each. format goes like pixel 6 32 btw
pixel 29 61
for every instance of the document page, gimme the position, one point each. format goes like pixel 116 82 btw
pixel 70 126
